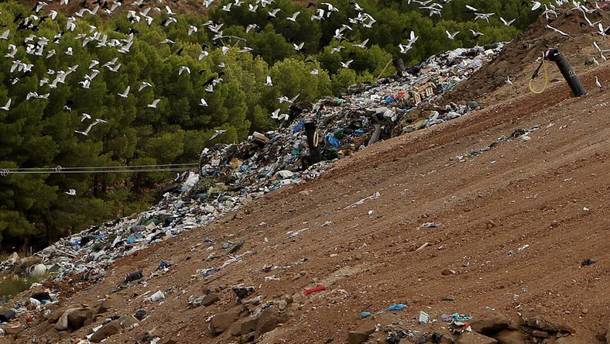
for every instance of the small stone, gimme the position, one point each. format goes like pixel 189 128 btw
pixel 242 291
pixel 248 338
pixel 133 276
pixel 140 314
pixel 537 323
pixel 511 337
pixel 539 334
pixel 491 325
pixel 13 329
pixel 223 321
pixel 361 335
pixel 127 321
pixel 106 331
pixel 74 318
pixel 269 319
pixel 474 338
pixel 209 299
pixel 102 307
pixel 447 272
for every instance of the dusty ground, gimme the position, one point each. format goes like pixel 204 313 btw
pixel 550 192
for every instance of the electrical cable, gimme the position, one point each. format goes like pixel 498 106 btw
pixel 61 168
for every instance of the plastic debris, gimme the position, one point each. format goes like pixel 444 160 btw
pixel 365 314
pixel 313 290
pixel 423 318
pixel 158 296
pixel 133 276
pixel 396 307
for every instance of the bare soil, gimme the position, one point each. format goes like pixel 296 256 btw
pixel 515 224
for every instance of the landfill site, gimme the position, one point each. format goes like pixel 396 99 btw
pixel 449 204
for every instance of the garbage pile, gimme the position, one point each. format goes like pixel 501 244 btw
pixel 343 125
pixel 232 175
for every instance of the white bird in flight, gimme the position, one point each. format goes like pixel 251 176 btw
pixel 450 35
pixel 154 103
pixel 7 106
pixel 346 63
pixel 294 16
pixel 298 47
pixel 125 93
pixel 507 22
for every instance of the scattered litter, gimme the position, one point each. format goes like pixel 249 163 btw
pixel 313 290
pixel 365 314
pixel 164 265
pixel 426 244
pixel 360 202
pixel 424 318
pixel 156 297
pixel 396 307
pixel 133 276
pixel 456 317
pixel 292 234
pixel 521 133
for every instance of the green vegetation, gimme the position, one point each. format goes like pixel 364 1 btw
pixel 35 210
pixel 11 285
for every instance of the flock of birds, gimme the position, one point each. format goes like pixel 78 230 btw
pixel 147 12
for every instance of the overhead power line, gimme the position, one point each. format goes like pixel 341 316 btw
pixel 100 169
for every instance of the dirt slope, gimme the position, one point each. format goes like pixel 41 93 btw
pixel 515 224
pixel 520 193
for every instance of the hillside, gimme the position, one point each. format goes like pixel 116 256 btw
pixel 489 228
pixel 92 86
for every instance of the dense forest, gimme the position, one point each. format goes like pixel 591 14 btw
pixel 143 87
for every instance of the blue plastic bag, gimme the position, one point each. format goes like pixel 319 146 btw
pixel 331 140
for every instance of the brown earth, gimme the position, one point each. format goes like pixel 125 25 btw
pixel 550 192
pixel 518 59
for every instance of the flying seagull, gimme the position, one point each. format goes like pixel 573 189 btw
pixel 450 35
pixel 298 47
pixel 363 44
pixel 86 132
pixel 507 22
pixel 7 106
pixel 125 93
pixel 154 103
pixel 346 64
pixel 294 16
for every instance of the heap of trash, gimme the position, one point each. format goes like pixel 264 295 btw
pixel 305 145
pixel 342 125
